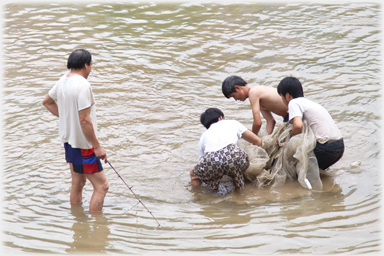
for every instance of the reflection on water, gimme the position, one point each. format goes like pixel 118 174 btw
pixel 89 234
pixel 156 68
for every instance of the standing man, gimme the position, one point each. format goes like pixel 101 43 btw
pixel 71 99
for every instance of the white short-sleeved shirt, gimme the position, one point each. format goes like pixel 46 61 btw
pixel 317 118
pixel 73 94
pixel 219 135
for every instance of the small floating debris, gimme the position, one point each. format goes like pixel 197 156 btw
pixel 355 164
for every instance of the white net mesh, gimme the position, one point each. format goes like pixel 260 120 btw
pixel 282 157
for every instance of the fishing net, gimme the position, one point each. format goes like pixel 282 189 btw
pixel 282 157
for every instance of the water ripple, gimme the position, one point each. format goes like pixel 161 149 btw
pixel 156 67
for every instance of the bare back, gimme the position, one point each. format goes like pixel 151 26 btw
pixel 268 99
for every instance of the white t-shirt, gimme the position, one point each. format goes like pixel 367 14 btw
pixel 317 118
pixel 72 94
pixel 219 135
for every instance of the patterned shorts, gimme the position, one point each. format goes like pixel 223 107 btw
pixel 83 160
pixel 230 160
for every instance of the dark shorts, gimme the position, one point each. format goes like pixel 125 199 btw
pixel 230 160
pixel 329 153
pixel 286 118
pixel 84 161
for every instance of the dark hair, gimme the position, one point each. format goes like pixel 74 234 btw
pixel 78 58
pixel 210 116
pixel 228 85
pixel 292 86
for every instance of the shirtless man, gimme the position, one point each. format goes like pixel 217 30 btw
pixel 263 99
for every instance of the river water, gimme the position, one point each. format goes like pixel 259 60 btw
pixel 156 68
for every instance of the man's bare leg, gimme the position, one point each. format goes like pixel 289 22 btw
pixel 194 180
pixel 78 182
pixel 100 189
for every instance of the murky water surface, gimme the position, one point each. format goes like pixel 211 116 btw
pixel 156 67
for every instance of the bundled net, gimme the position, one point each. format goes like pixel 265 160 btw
pixel 282 157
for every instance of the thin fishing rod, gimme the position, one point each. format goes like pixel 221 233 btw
pixel 133 193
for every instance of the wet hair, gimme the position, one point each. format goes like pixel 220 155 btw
pixel 292 86
pixel 228 85
pixel 210 116
pixel 78 58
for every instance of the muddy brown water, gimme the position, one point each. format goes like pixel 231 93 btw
pixel 156 68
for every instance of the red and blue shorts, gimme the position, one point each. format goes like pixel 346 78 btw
pixel 84 161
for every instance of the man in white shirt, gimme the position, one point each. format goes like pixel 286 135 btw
pixel 330 144
pixel 71 99
pixel 218 153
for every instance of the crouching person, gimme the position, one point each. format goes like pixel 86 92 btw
pixel 218 153
pixel 330 144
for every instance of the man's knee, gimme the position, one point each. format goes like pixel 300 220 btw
pixel 106 186
pixel 103 187
pixel 79 183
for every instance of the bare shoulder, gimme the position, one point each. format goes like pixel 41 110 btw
pixel 255 90
pixel 262 91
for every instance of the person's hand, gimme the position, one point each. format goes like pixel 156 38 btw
pixel 101 154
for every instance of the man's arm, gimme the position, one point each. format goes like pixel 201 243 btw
pixel 251 137
pixel 270 120
pixel 87 127
pixel 51 105
pixel 297 126
pixel 255 104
